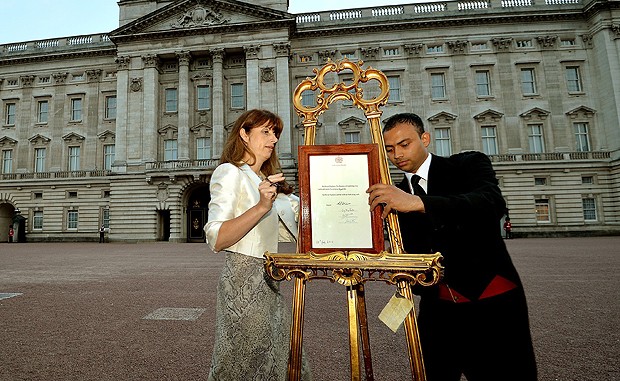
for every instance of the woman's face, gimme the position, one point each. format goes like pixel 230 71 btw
pixel 261 141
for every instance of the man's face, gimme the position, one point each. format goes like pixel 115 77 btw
pixel 405 148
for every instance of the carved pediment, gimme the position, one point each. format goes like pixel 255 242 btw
pixel 197 15
pixel 5 141
pixel 107 136
pixel 442 118
pixel 581 112
pixel 168 131
pixel 535 113
pixel 72 137
pixel 488 116
pixel 202 130
pixel 352 122
pixel 39 139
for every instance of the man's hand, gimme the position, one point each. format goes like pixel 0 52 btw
pixel 393 199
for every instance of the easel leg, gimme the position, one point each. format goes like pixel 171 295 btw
pixel 363 322
pixel 353 334
pixel 413 338
pixel 297 327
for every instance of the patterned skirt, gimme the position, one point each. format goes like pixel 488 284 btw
pixel 252 329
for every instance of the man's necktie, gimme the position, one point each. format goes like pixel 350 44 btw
pixel 417 188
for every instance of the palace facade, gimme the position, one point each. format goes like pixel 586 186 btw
pixel 124 128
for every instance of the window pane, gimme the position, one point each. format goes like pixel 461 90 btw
pixel 108 156
pixel 483 87
pixel 171 100
pixel 42 114
pixel 170 149
pixel 528 84
pixel 307 98
pixel 573 81
pixel 536 138
pixel 443 146
pixel 7 161
pixel 489 141
pixel 39 160
pixel 110 107
pixel 203 148
pixel 106 218
pixel 589 209
pixel 352 137
pixel 72 219
pixel 438 86
pixel 394 83
pixel 10 113
pixel 37 219
pixel 582 139
pixel 542 211
pixel 204 97
pixel 237 98
pixel 74 158
pixel 76 109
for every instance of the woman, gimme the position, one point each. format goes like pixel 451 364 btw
pixel 252 208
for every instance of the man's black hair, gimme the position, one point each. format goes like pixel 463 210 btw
pixel 405 117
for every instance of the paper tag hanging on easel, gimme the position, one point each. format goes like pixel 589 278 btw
pixel 395 311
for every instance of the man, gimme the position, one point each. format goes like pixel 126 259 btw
pixel 102 234
pixel 475 322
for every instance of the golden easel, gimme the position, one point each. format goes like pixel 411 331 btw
pixel 353 268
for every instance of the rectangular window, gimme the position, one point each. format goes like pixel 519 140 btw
pixel 589 209
pixel 204 97
pixel 535 138
pixel 76 109
pixel 171 100
pixel 573 79
pixel 237 96
pixel 106 218
pixel 11 109
pixel 483 84
pixel 543 213
pixel 349 55
pixel 540 181
pixel 74 158
pixel 352 137
pixel 479 46
pixel 39 159
pixel 170 149
pixel 434 49
pixel 438 86
pixel 7 161
pixel 42 111
pixel 72 219
pixel 489 140
pixel 308 99
pixel 305 58
pixel 443 144
pixel 528 81
pixel 203 148
pixel 394 83
pixel 110 107
pixel 37 220
pixel 108 156
pixel 588 180
pixel 524 44
pixel 568 42
pixel 582 139
pixel 390 52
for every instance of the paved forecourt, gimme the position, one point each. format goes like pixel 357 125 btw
pixel 126 311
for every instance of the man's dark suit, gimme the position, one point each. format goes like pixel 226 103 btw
pixel 464 206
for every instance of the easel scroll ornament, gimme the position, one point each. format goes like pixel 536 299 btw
pixel 349 267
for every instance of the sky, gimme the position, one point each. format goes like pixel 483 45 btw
pixel 27 20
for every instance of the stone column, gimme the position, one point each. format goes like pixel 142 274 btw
pixel 150 107
pixel 252 78
pixel 122 86
pixel 284 100
pixel 183 106
pixel 218 102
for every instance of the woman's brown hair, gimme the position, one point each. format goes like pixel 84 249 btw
pixel 235 148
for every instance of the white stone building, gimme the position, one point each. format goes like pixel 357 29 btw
pixel 125 127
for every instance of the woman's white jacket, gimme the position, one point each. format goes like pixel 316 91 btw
pixel 234 190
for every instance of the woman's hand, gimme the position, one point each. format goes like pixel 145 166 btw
pixel 268 189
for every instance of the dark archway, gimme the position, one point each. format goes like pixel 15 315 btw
pixel 197 207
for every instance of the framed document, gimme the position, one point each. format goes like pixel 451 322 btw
pixel 335 215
